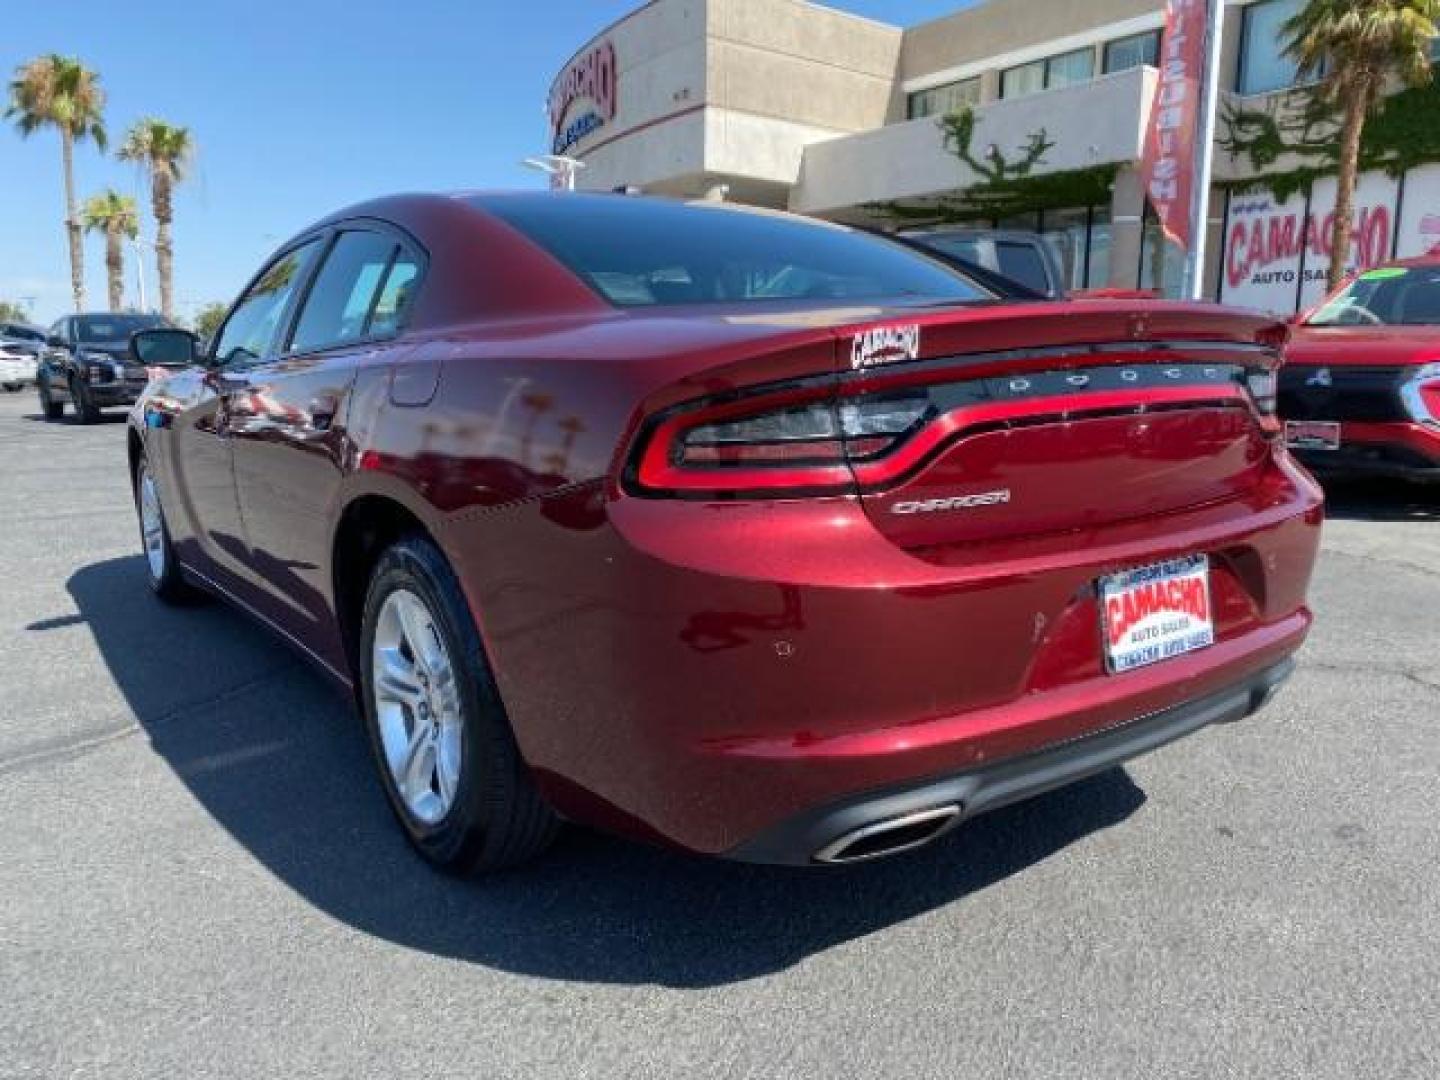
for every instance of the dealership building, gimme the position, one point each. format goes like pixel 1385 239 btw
pixel 789 104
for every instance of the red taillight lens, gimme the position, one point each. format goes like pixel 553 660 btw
pixel 757 446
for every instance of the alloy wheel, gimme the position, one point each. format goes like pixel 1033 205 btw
pixel 152 525
pixel 417 706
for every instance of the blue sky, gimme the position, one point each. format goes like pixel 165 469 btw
pixel 298 110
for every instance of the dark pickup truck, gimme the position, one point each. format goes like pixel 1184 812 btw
pixel 85 363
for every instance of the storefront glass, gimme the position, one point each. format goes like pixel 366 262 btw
pixel 1162 264
pixel 1099 258
pixel 1066 230
pixel 1079 237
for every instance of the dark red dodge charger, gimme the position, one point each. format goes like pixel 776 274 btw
pixel 743 533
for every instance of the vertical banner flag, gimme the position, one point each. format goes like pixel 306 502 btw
pixel 1168 167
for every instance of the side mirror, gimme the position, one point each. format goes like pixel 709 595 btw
pixel 164 347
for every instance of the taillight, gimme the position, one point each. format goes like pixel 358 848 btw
pixel 1421 394
pixel 774 444
pixel 867 432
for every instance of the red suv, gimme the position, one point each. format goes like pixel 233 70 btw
pixel 1360 392
pixel 739 532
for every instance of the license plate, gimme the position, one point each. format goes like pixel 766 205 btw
pixel 1155 613
pixel 1312 435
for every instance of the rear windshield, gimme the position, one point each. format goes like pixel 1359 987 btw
pixel 650 252
pixel 109 329
pixel 1390 296
pixel 21 333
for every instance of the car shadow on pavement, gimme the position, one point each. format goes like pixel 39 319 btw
pixel 276 756
pixel 107 416
pixel 1381 500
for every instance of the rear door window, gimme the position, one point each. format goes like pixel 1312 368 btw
pixel 395 295
pixel 338 309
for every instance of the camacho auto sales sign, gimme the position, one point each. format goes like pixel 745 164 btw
pixel 1168 167
pixel 585 97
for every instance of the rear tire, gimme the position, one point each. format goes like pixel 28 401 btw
pixel 162 570
pixel 85 409
pixel 52 409
pixel 462 792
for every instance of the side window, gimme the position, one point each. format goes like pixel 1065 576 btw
pixel 395 295
pixel 337 310
pixel 254 326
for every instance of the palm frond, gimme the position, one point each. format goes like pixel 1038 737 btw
pixel 57 91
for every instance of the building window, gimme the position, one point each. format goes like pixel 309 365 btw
pixel 1125 53
pixel 943 100
pixel 1022 80
pixel 1070 68
pixel 1264 66
pixel 1067 69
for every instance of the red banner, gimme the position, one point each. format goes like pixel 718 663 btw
pixel 1168 167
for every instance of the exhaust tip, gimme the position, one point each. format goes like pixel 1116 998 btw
pixel 889 837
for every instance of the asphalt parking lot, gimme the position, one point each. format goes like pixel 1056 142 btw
pixel 198 876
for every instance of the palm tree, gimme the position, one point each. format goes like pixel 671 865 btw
pixel 537 403
pixel 61 92
pixel 114 215
pixel 165 151
pixel 1352 47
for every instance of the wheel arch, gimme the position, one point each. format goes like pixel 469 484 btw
pixel 369 523
pixel 134 448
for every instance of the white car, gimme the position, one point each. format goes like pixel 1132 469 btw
pixel 19 351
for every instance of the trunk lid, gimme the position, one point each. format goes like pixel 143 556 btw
pixel 1046 418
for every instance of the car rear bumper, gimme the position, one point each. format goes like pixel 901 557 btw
pixel 879 823
pixel 700 674
pixel 1402 451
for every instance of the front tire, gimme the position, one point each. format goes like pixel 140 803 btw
pixel 437 727
pixel 162 570
pixel 52 409
pixel 85 409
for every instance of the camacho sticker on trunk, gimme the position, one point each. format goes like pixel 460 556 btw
pixel 885 345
